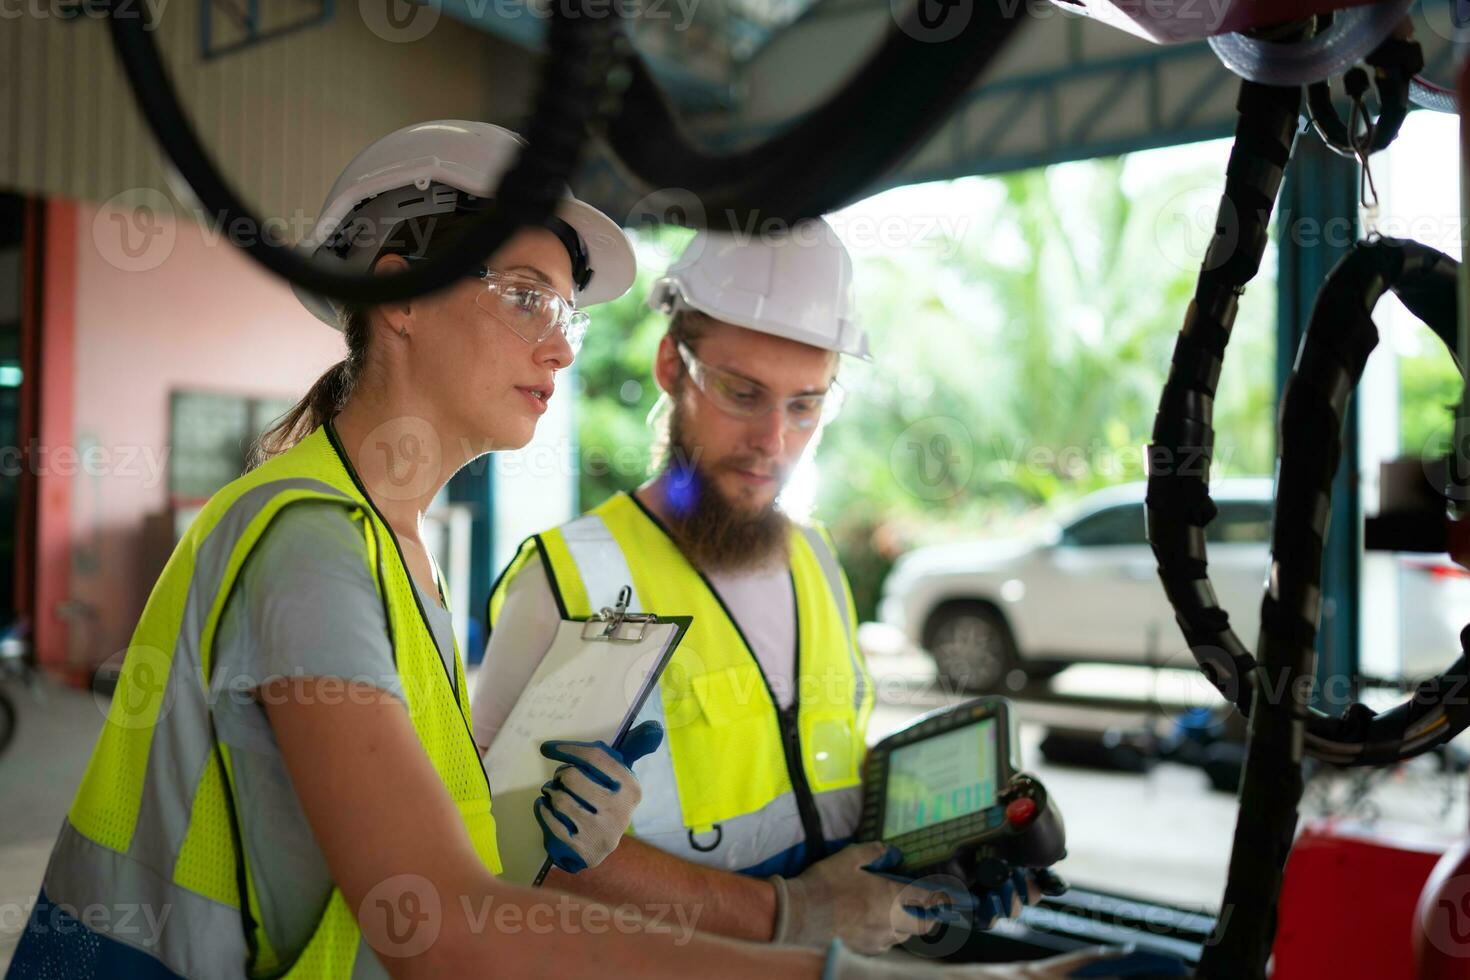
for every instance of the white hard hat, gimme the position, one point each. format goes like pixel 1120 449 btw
pixel 435 168
pixel 795 284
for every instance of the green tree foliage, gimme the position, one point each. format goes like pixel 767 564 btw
pixel 614 371
pixel 1017 364
pixel 1025 369
pixel 1429 391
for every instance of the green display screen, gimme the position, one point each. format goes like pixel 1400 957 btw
pixel 941 778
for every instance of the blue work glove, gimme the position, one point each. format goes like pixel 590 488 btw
pixel 949 903
pixel 1006 902
pixel 588 803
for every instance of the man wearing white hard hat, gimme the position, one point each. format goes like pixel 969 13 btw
pixel 750 808
pixel 287 784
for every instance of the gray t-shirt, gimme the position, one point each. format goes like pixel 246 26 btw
pixel 305 605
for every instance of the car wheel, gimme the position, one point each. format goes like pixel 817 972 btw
pixel 972 647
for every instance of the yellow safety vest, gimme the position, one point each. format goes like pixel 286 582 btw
pixel 739 784
pixel 155 818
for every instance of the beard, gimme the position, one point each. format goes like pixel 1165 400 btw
pixel 715 533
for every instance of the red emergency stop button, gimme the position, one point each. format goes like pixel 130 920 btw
pixel 1020 812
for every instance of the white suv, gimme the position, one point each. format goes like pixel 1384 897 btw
pixel 1086 589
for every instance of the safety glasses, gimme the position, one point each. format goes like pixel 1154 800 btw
pixel 529 307
pixel 532 309
pixel 746 399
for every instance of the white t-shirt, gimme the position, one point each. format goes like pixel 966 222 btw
pixel 762 603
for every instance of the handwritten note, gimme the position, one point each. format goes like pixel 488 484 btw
pixel 582 691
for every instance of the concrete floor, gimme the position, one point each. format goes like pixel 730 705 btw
pixel 1163 835
pixel 38 773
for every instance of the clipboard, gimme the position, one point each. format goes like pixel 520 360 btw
pixel 591 684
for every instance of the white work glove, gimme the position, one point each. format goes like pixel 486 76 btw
pixel 588 803
pixel 840 898
pixel 844 964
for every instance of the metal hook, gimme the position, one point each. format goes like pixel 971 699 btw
pixel 1361 143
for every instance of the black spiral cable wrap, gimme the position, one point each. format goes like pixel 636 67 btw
pixel 835 152
pixel 1178 501
pixel 573 77
pixel 1334 351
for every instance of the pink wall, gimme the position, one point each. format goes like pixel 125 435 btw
pixel 48 359
pixel 161 304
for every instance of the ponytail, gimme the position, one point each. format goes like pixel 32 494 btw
pixel 331 391
pixel 325 398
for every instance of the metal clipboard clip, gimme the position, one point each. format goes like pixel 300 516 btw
pixel 616 625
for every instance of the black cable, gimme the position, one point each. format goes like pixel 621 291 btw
pixel 825 160
pixel 1178 504
pixel 1340 336
pixel 909 86
pixel 1396 63
pixel 573 75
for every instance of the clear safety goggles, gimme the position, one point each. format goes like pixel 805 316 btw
pixel 746 399
pixel 530 308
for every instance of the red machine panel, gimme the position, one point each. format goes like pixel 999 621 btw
pixel 1347 905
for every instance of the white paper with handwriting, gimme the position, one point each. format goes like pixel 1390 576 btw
pixel 584 690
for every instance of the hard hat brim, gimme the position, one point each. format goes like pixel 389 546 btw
pixel 609 253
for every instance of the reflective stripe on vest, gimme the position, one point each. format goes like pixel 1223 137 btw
pixel 720 792
pixel 154 822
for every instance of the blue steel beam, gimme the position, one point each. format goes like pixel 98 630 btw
pixel 249 24
pixel 1321 192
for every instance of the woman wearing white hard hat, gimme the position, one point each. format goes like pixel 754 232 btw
pixel 286 785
